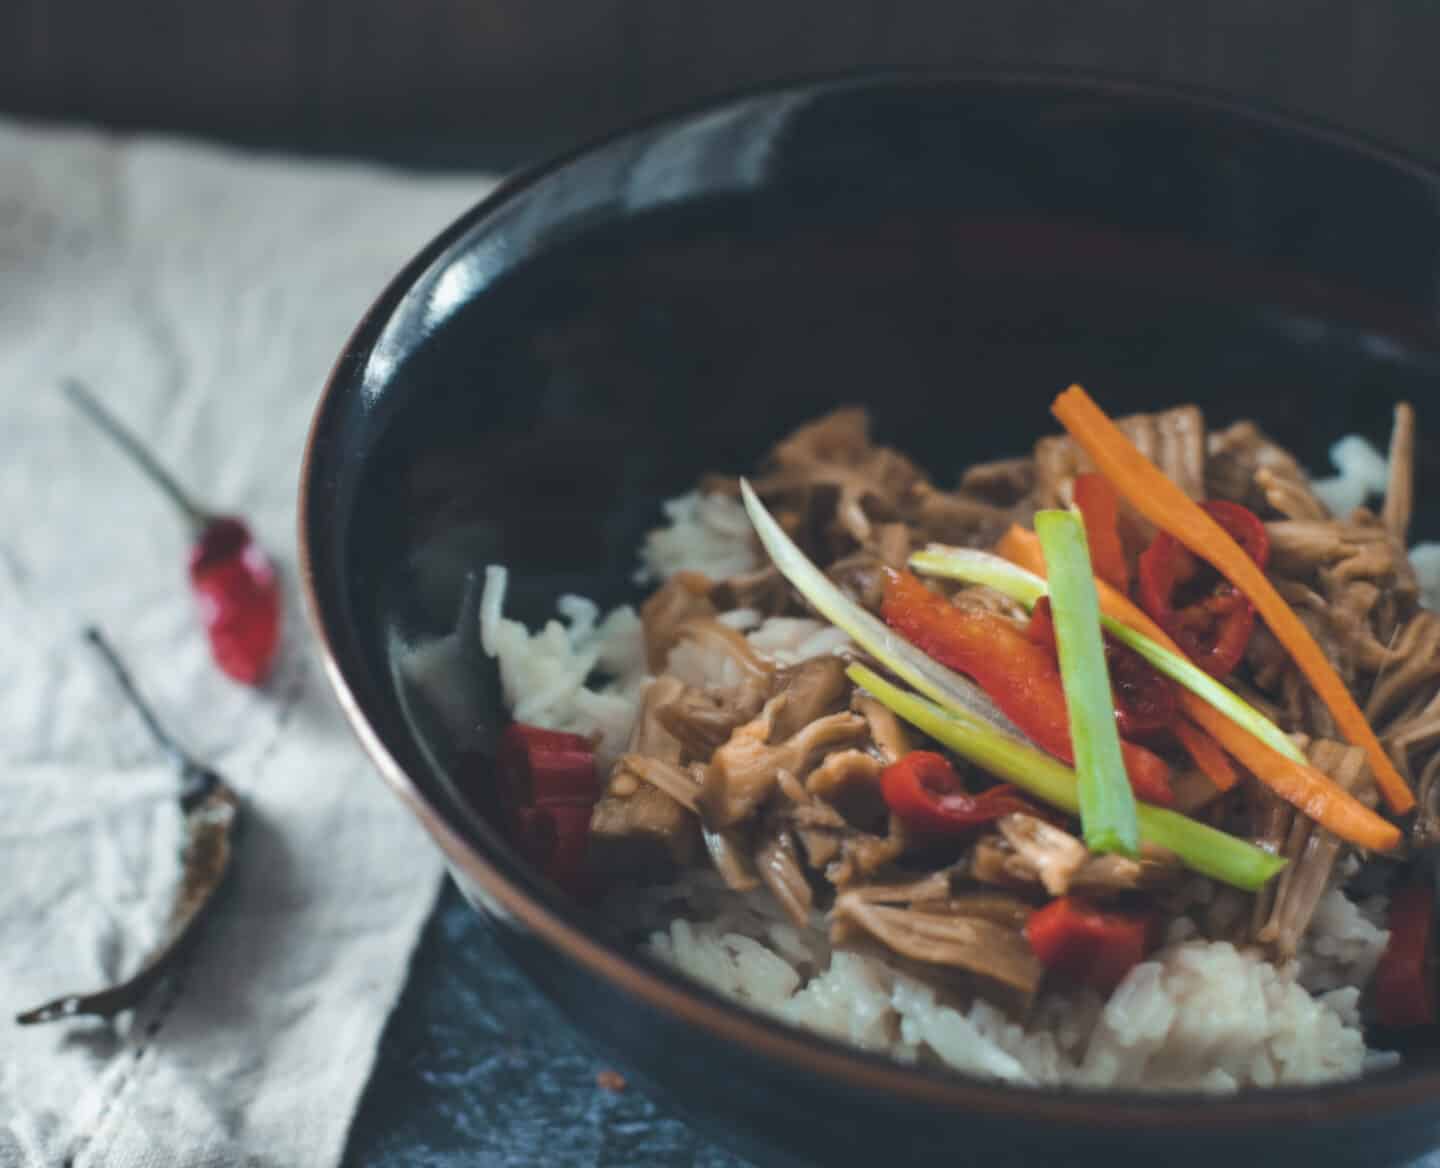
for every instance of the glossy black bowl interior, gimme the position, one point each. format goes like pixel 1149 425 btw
pixel 948 252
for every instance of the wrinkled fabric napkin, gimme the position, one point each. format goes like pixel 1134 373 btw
pixel 203 295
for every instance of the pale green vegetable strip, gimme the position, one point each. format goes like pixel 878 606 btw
pixel 942 685
pixel 1024 586
pixel 1107 804
pixel 1199 847
pixel 977 567
pixel 1200 683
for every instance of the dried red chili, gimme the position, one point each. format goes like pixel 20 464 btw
pixel 231 577
pixel 926 793
pixel 1206 615
pixel 1145 701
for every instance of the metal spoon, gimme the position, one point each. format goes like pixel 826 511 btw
pixel 211 812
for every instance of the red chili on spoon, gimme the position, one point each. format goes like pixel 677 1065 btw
pixel 231 576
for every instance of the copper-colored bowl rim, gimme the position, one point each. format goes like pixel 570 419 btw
pixel 806 1053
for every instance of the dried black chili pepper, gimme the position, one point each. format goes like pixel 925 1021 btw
pixel 211 812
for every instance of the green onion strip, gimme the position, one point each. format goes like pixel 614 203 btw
pixel 1107 804
pixel 953 692
pixel 1198 846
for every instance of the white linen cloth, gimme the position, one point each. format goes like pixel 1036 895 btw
pixel 203 294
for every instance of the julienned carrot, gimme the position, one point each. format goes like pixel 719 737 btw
pixel 1205 753
pixel 1021 546
pixel 1162 502
pixel 1324 800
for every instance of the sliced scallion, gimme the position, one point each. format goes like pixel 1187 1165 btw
pixel 1107 804
pixel 977 567
pixel 948 688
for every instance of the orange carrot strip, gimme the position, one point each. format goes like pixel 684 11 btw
pixel 1206 754
pixel 1021 546
pixel 1324 800
pixel 1168 507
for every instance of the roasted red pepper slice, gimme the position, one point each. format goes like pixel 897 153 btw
pixel 1099 504
pixel 924 790
pixel 1020 676
pixel 1405 978
pixel 1087 946
pixel 548 787
pixel 1145 702
pixel 1206 615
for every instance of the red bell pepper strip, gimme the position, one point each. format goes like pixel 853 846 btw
pixel 1087 946
pixel 1405 978
pixel 1210 618
pixel 548 787
pixel 926 793
pixel 1021 677
pixel 1099 504
pixel 1145 702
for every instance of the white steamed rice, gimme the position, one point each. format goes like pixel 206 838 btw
pixel 1200 1015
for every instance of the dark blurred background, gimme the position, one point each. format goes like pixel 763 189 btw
pixel 433 78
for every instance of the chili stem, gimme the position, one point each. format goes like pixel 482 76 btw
pixel 111 427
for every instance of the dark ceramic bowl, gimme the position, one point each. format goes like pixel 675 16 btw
pixel 950 251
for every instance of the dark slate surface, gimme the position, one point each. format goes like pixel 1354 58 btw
pixel 476 1068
